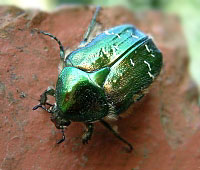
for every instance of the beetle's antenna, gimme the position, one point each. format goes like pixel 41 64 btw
pixel 91 26
pixel 62 51
pixel 103 122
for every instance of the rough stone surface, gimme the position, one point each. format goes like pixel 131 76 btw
pixel 164 127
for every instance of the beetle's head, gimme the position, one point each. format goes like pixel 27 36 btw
pixel 78 97
pixel 57 119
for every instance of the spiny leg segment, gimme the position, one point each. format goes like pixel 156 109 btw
pixel 88 133
pixel 43 98
pixel 105 124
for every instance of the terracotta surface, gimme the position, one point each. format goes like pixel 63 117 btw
pixel 164 127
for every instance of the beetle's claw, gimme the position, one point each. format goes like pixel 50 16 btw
pixel 60 141
pixel 37 106
pixel 43 107
pixel 130 148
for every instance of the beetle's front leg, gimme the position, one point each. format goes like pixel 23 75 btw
pixel 43 98
pixel 88 133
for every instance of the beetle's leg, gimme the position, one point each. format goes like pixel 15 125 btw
pixel 60 124
pixel 91 26
pixel 63 136
pixel 43 98
pixel 88 133
pixel 62 51
pixel 116 134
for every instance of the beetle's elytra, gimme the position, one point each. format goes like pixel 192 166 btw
pixel 102 78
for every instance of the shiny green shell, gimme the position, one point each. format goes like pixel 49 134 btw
pixel 108 74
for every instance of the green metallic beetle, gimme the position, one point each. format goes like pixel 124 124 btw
pixel 102 78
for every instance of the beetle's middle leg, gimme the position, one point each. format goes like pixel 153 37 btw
pixel 43 98
pixel 88 133
pixel 91 26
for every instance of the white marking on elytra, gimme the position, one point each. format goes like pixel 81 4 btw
pixel 107 33
pixel 118 35
pixel 134 36
pixel 147 65
pixel 152 55
pixel 147 48
pixel 150 75
pixel 112 33
pixel 132 62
